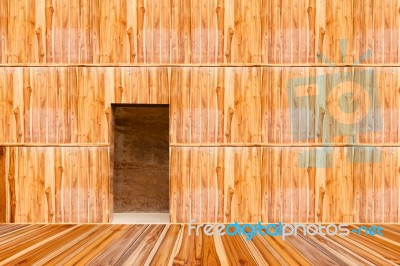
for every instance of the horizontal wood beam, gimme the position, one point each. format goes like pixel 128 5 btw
pixel 54 145
pixel 305 65
pixel 305 145
pixel 299 145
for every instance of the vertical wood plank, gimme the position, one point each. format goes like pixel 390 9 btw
pixel 3 103
pixel 57 31
pixel 95 33
pixel 74 32
pixel 3 188
pixel 12 186
pixel 213 192
pixel 173 190
pixel 195 31
pixel 204 32
pixel 212 31
pixel 205 189
pixel 195 185
pixel 165 31
pixel 148 33
pixel 68 193
pixel 3 30
pixel 58 189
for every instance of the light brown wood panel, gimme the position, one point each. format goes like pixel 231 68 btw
pixel 288 184
pixel 69 104
pixel 235 107
pixel 208 104
pixel 55 184
pixel 212 31
pixel 290 105
pixel 3 187
pixel 93 244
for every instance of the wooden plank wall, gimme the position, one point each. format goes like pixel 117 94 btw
pixel 228 124
pixel 238 153
pixel 206 31
pixel 234 155
pixel 218 105
pixel 54 138
pixel 252 184
pixel 57 184
pixel 67 105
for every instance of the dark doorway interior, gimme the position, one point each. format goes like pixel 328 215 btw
pixel 141 158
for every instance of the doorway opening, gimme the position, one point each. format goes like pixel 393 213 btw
pixel 140 163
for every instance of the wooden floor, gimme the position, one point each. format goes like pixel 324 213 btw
pixel 96 244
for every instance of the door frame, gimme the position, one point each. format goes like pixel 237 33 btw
pixel 111 152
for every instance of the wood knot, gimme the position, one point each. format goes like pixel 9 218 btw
pixel 309 9
pixel 179 262
pixel 51 9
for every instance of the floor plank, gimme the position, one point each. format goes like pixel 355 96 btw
pixel 170 244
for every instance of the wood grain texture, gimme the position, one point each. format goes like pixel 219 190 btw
pixel 222 31
pixel 272 184
pixel 3 186
pixel 91 244
pixel 239 136
pixel 233 131
pixel 284 105
pixel 68 104
pixel 229 105
pixel 49 184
